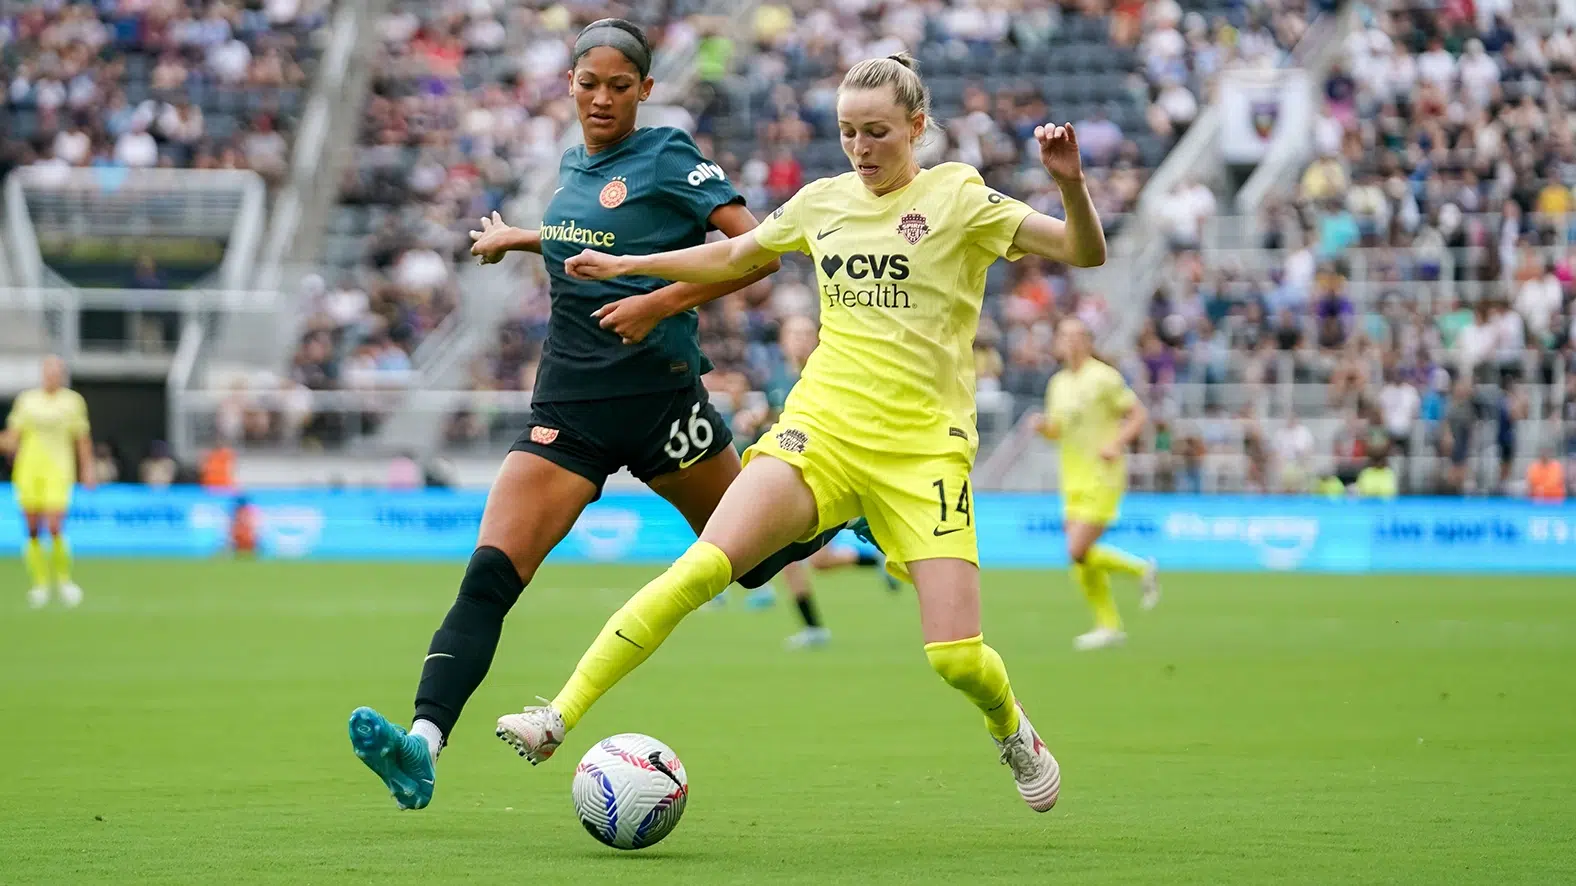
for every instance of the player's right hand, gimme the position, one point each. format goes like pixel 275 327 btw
pixel 492 242
pixel 593 265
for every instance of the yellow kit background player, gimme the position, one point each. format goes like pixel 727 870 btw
pixel 48 433
pixel 1096 416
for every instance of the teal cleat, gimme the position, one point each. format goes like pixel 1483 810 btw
pixel 402 760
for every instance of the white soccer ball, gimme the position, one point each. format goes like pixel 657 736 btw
pixel 630 790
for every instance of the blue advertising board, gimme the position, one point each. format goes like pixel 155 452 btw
pixel 1182 532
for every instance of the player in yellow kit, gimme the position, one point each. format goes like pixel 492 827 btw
pixel 1096 416
pixel 882 421
pixel 48 432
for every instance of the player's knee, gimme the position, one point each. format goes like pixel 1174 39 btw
pixel 492 579
pixel 959 662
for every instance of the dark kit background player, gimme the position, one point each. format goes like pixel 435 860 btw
pixel 619 382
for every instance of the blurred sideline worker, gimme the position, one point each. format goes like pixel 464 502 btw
pixel 1094 414
pixel 1378 479
pixel 1546 478
pixel 48 432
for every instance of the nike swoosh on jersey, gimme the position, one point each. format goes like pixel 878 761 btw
pixel 939 532
pixel 824 234
pixel 685 464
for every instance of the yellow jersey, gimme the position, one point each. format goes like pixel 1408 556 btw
pixel 47 426
pixel 1088 405
pixel 901 279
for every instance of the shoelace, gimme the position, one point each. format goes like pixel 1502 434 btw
pixel 1018 753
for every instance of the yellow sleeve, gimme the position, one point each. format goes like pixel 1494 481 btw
pixel 79 416
pixel 1118 395
pixel 783 230
pixel 18 414
pixel 993 218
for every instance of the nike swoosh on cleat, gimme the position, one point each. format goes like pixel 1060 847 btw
pixel 620 634
pixel 824 234
pixel 939 532
pixel 437 655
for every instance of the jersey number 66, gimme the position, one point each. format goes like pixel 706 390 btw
pixel 695 434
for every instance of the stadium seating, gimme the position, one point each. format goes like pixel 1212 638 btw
pixel 210 86
pixel 1414 292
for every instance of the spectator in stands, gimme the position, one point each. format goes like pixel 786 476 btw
pixel 1510 408
pixel 106 463
pixel 1539 300
pixel 159 469
pixel 1399 407
pixel 1293 447
pixel 1456 436
pixel 1546 478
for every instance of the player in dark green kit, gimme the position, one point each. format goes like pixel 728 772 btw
pixel 618 385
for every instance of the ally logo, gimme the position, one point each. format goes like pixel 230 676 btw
pixel 1282 543
pixel 606 533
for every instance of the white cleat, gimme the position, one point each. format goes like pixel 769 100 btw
pixel 535 732
pixel 1036 771
pixel 71 595
pixel 1151 583
pixel 1099 638
pixel 809 638
pixel 38 598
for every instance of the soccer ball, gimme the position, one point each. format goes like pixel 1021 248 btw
pixel 630 790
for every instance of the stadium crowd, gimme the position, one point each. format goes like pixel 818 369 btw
pixel 1419 283
pixel 205 85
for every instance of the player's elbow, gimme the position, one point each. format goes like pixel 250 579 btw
pixel 1089 255
pixel 771 267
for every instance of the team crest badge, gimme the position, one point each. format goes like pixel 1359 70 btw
pixel 792 440
pixel 913 227
pixel 614 193
pixel 1264 114
pixel 543 436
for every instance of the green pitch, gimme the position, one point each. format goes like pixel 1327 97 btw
pixel 187 725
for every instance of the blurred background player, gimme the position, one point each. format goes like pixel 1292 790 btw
pixel 48 432
pixel 882 424
pixel 1096 416
pixel 619 384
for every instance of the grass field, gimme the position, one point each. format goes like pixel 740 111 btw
pixel 187 725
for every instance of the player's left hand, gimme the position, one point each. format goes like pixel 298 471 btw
pixel 1059 151
pixel 593 265
pixel 633 318
pixel 1110 452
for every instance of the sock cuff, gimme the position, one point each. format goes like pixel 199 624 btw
pixel 944 645
pixel 493 560
pixel 707 556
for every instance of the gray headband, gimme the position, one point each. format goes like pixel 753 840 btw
pixel 619 39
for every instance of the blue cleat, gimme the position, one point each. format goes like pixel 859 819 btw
pixel 762 597
pixel 402 760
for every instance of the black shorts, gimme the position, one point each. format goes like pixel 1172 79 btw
pixel 651 434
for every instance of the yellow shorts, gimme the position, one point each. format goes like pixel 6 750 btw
pixel 920 507
pixel 1092 504
pixel 41 492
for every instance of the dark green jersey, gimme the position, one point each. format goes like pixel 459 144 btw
pixel 652 192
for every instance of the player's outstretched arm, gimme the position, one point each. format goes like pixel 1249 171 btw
pixel 496 240
pixel 708 263
pixel 633 318
pixel 1080 240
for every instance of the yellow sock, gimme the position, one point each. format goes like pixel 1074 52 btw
pixel 37 563
pixel 60 560
pixel 1096 585
pixel 1115 560
pixel 975 670
pixel 636 630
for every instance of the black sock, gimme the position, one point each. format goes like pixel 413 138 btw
pixel 812 619
pixel 868 559
pixel 462 649
pixel 795 552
